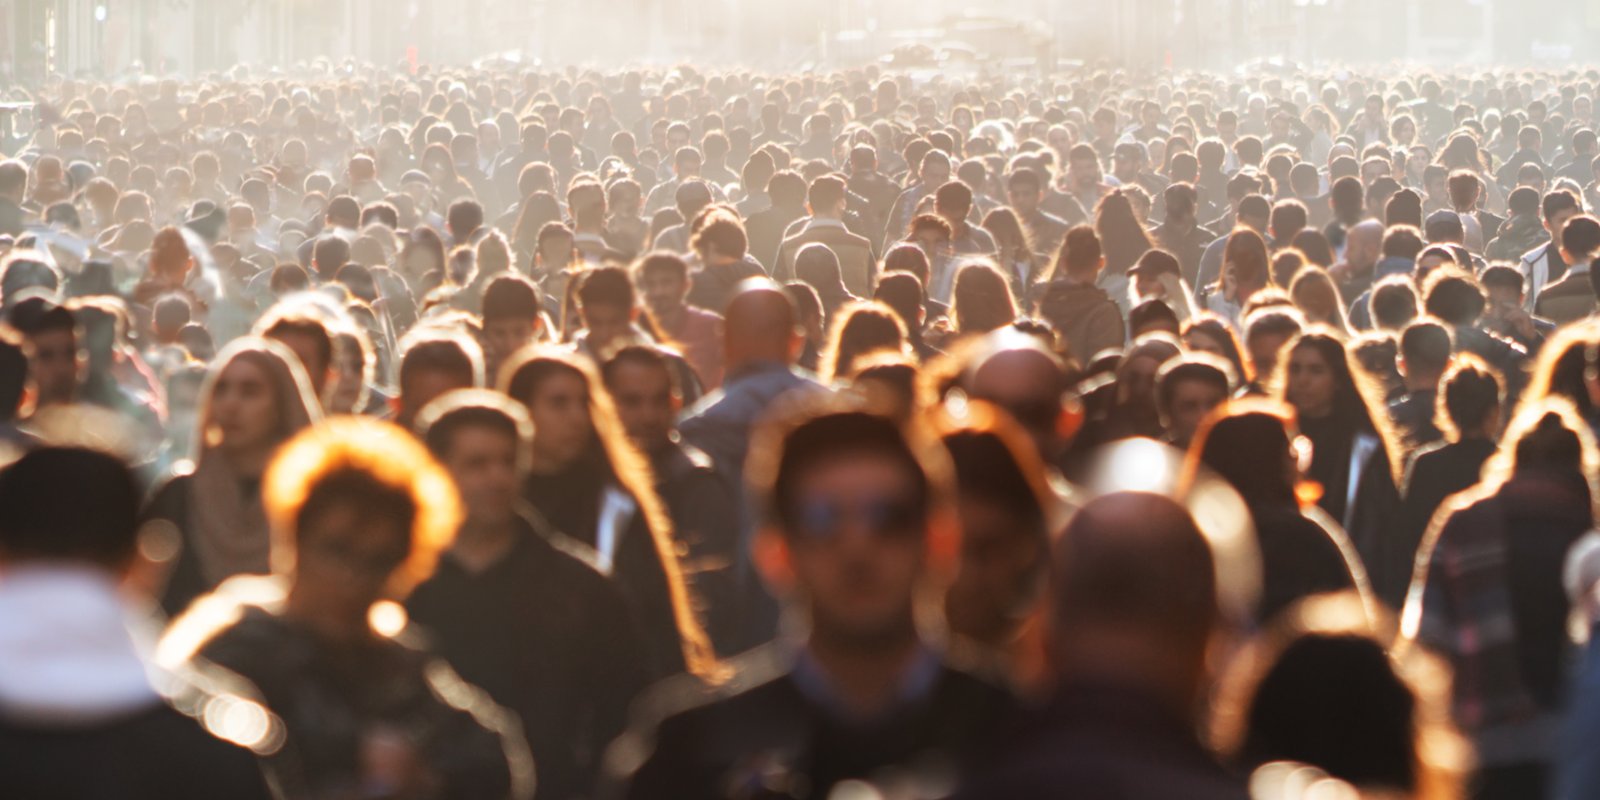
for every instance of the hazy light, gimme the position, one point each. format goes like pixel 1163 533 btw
pixel 99 13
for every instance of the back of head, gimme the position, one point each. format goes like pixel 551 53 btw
pixel 68 504
pixel 817 265
pixel 1133 593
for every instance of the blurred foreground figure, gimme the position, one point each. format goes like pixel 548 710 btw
pixel 1134 609
pixel 1319 687
pixel 1488 595
pixel 853 539
pixel 82 715
pixel 359 513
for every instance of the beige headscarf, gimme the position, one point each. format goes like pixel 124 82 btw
pixel 229 530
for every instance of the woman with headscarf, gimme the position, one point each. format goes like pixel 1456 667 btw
pixel 256 397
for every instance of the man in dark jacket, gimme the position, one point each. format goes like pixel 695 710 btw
pixel 1135 602
pixel 725 262
pixel 79 714
pixel 515 607
pixel 1180 234
pixel 847 499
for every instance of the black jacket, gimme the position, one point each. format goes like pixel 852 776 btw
pixel 1103 742
pixel 764 727
pixel 158 754
pixel 550 639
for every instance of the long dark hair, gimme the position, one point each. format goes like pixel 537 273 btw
pixel 1357 397
pixel 520 379
pixel 1246 442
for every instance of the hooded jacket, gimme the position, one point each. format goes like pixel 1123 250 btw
pixel 1085 315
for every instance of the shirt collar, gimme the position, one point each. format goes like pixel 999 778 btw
pixel 916 683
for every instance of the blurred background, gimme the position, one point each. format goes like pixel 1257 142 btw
pixel 195 36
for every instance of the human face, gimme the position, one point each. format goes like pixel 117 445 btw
pixel 344 556
pixel 935 173
pixel 858 547
pixel 1125 166
pixel 1191 402
pixel 1024 200
pixel 560 411
pixel 645 402
pixel 663 291
pixel 998 574
pixel 1085 172
pixel 483 462
pixel 348 379
pixel 606 324
pixel 55 366
pixel 1148 284
pixel 244 415
pixel 1310 386
pixel 1136 382
pixel 504 337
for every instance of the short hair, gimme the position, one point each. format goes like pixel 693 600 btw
pixel 1080 251
pixel 1393 302
pixel 832 431
pixel 449 413
pixel 953 196
pixel 787 188
pixel 1523 200
pixel 826 192
pixel 1503 276
pixel 1197 367
pixel 1464 187
pixel 722 233
pixel 1272 322
pixel 1425 345
pixel 1023 177
pixel 511 297
pixel 374 467
pixel 1581 236
pixel 437 350
pixel 1453 296
pixel 1559 201
pixel 299 323
pixel 1402 241
pixel 69 503
pixel 607 286
pixel 1469 390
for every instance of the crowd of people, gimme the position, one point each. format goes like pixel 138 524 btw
pixel 432 432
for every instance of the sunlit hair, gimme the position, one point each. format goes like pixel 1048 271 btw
pixel 1216 329
pixel 520 379
pixel 355 337
pixel 1357 394
pixel 377 452
pixel 294 404
pixel 981 300
pixel 860 328
pixel 1262 712
pixel 973 420
pixel 1243 441
pixel 1569 367
pixel 1532 418
pixel 448 413
pixel 1465 375
pixel 1317 297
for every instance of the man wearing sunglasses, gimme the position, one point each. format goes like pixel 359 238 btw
pixel 855 542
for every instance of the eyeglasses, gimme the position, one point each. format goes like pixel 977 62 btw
pixel 884 517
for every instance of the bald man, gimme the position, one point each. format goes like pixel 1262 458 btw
pixel 1362 248
pixel 1133 609
pixel 761 340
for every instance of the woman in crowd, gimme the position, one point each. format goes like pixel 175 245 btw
pixel 1253 445
pixel 594 486
pixel 1352 451
pixel 256 397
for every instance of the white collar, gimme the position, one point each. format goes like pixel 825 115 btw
pixel 73 649
pixel 822 222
